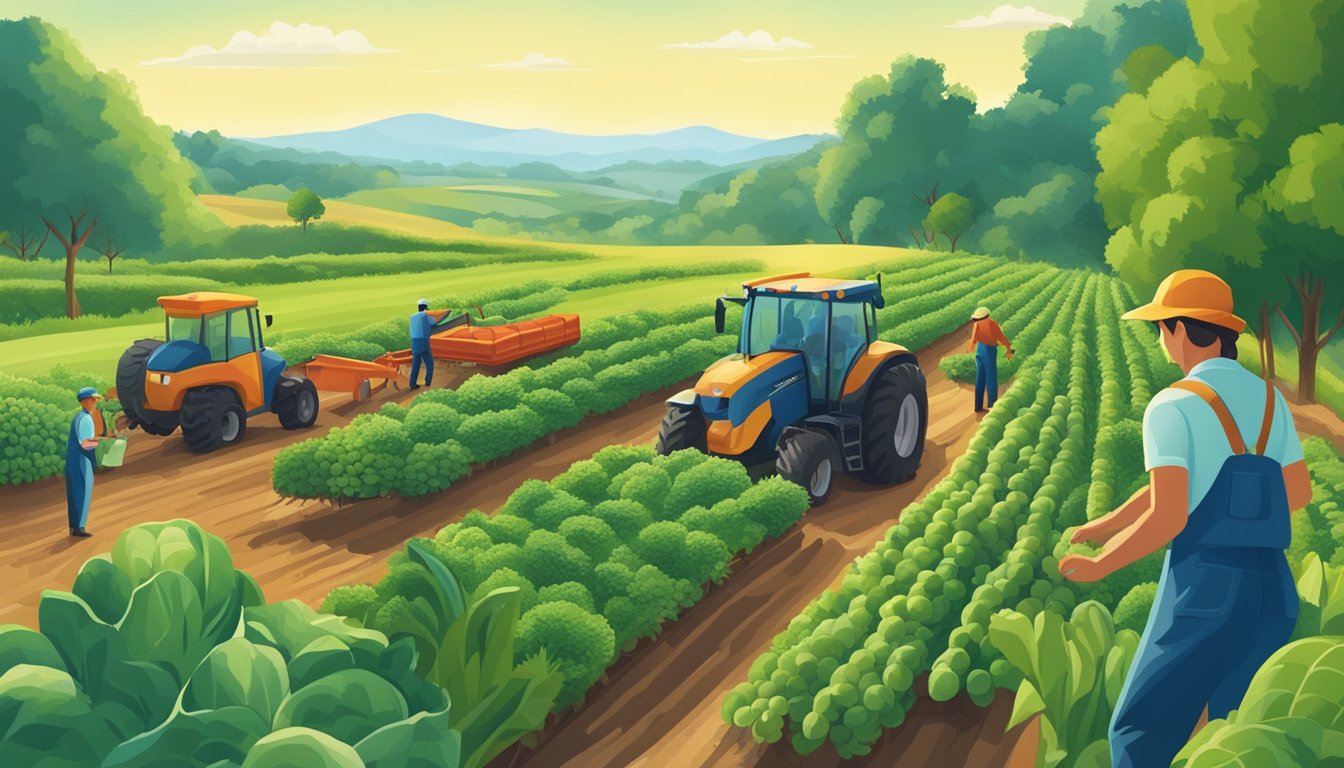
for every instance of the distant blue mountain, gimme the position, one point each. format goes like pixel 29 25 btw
pixel 438 139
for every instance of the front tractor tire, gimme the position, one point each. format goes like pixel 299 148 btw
pixel 895 421
pixel 809 458
pixel 212 417
pixel 131 370
pixel 683 427
pixel 295 402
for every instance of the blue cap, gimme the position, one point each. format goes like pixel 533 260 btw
pixel 88 392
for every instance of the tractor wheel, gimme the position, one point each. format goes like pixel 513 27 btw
pixel 895 419
pixel 212 417
pixel 131 387
pixel 683 427
pixel 810 459
pixel 295 402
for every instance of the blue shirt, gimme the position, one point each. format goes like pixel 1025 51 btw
pixel 421 323
pixel 1181 430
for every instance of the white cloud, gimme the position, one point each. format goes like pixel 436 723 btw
pixel 760 40
pixel 1009 16
pixel 282 45
pixel 537 62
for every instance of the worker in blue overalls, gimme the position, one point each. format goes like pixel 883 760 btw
pixel 421 325
pixel 1225 468
pixel 86 430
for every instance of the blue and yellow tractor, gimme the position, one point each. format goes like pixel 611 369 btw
pixel 810 392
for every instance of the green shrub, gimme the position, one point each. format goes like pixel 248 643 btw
pixel 560 508
pixel 556 410
pixel 1133 609
pixel 592 535
pixel 33 436
pixel 581 643
pixel 432 423
pixel 298 468
pixel 355 601
pixel 494 434
pixel 774 504
pixel 627 518
pixel 507 577
pixel 549 559
pixel 24 300
pixel 433 467
pixel 706 484
pixel 644 484
pixel 569 592
pixel 585 479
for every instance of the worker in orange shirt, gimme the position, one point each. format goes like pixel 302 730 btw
pixel 986 336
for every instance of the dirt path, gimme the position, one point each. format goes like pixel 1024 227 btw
pixel 294 549
pixel 660 705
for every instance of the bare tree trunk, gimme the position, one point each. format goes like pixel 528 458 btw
pixel 1310 341
pixel 841 235
pixel 1267 342
pixel 952 240
pixel 72 246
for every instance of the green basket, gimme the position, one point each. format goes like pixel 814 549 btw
pixel 110 453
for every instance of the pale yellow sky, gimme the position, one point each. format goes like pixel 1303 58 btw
pixel 622 77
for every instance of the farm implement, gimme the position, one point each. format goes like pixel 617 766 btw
pixel 213 371
pixel 810 392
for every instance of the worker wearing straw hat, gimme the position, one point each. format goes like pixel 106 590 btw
pixel 85 431
pixel 1225 469
pixel 986 336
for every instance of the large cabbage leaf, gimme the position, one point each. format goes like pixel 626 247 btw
pixel 349 705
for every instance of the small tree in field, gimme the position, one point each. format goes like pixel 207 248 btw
pixel 111 249
pixel 305 206
pixel 23 240
pixel 951 215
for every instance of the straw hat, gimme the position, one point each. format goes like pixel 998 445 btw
pixel 980 313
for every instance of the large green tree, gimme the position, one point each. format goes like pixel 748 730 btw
pixel 902 142
pixel 1232 163
pixel 76 150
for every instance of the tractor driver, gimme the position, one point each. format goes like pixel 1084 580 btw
pixel 421 326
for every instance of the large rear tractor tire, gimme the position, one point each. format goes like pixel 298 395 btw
pixel 683 427
pixel 895 420
pixel 810 459
pixel 131 388
pixel 212 417
pixel 295 402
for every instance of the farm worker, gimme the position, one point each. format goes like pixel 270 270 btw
pixel 1225 469
pixel 986 336
pixel 85 433
pixel 421 325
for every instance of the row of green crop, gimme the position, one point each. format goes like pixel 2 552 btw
pixel 1021 313
pixel 26 300
pixel 663 272
pixel 932 313
pixel 491 417
pixel 35 417
pixel 604 554
pixel 845 668
pixel 424 448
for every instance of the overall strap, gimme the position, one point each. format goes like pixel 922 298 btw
pixel 1268 420
pixel 1206 393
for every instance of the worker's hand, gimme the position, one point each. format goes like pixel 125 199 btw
pixel 1010 353
pixel 1082 568
pixel 1092 532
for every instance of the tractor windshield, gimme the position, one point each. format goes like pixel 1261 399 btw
pixel 184 329
pixel 784 324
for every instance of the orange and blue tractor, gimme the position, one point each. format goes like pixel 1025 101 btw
pixel 811 391
pixel 210 374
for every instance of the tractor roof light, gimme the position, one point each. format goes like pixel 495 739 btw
pixel 838 294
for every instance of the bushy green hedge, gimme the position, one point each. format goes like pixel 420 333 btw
pixel 25 300
pixel 35 416
pixel 600 560
pixel 163 654
pixel 490 417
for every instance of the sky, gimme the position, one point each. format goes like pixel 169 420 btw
pixel 762 68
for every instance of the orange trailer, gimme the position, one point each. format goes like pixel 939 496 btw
pixel 457 340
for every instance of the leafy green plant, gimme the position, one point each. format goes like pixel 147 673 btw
pixel 1072 673
pixel 1292 713
pixel 164 654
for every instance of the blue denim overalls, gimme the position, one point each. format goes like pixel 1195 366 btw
pixel 78 475
pixel 986 374
pixel 1226 601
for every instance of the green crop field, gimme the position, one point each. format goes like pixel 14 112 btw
pixel 465 202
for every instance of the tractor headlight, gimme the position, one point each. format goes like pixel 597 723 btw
pixel 160 378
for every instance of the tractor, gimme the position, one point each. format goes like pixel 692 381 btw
pixel 211 374
pixel 810 391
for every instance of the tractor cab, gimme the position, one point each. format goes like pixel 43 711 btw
pixel 829 322
pixel 210 374
pixel 810 391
